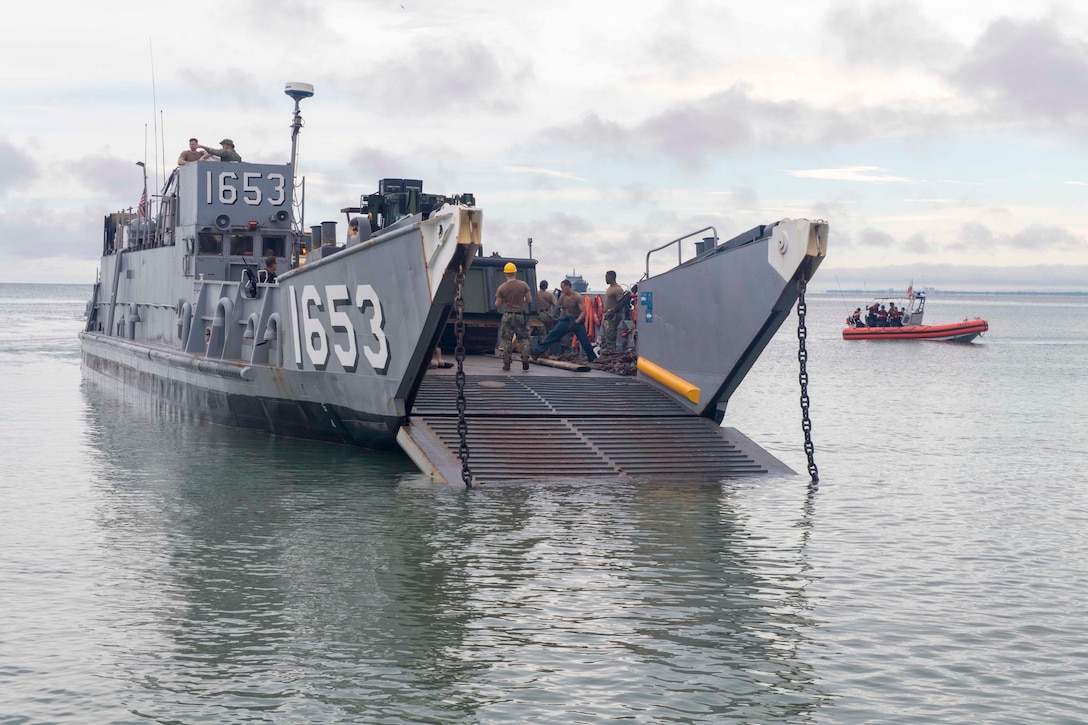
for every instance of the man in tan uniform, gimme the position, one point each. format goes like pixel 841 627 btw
pixel 191 154
pixel 573 307
pixel 545 308
pixel 514 296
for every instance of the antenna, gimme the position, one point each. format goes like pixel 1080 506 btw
pixel 155 104
pixel 299 92
pixel 162 144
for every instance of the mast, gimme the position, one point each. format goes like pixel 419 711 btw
pixel 297 91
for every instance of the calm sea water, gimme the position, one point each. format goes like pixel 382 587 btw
pixel 156 570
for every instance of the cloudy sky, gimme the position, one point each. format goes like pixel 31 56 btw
pixel 940 139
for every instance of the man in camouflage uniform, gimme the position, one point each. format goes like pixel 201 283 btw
pixel 610 320
pixel 225 153
pixel 514 296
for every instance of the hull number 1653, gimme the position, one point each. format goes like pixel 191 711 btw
pixel 311 311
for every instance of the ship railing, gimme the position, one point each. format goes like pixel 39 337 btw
pixel 679 246
pixel 129 230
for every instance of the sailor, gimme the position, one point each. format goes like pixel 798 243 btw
pixel 625 339
pixel 573 308
pixel 611 317
pixel 226 153
pixel 437 361
pixel 515 297
pixel 855 319
pixel 545 307
pixel 193 153
pixel 270 269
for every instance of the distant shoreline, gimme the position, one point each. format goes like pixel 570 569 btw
pixel 930 292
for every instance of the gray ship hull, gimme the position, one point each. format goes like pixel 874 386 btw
pixel 332 350
pixel 225 397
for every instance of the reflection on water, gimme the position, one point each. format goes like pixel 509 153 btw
pixel 260 578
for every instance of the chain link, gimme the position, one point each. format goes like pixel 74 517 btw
pixel 802 357
pixel 459 356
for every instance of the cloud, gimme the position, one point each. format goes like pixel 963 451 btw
pixel 876 238
pixel 677 52
pixel 110 177
pixel 975 237
pixel 293 16
pixel 866 174
pixel 890 34
pixel 593 133
pixel 1042 277
pixel 635 195
pixel 241 89
pixel 1044 237
pixel 1029 69
pixel 39 234
pixel 17 169
pixel 734 122
pixel 438 78
pixel 918 244
pixel 543 172
pixel 377 163
pixel 744 198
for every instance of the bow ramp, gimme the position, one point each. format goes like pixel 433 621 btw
pixel 550 423
pixel 705 322
pixel 702 324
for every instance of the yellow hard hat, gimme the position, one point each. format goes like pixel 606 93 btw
pixel 509 268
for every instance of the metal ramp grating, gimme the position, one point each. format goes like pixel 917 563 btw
pixel 672 447
pixel 569 395
pixel 573 426
pixel 511 449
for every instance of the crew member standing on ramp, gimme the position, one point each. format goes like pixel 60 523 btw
pixel 515 297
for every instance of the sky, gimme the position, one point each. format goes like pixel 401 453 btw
pixel 944 142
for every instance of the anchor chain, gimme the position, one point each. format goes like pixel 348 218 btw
pixel 459 356
pixel 802 357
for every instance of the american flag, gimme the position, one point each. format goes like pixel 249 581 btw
pixel 910 292
pixel 143 204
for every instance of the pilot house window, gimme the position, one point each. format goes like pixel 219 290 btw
pixel 275 246
pixel 241 245
pixel 210 243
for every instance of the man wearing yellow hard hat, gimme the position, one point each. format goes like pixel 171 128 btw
pixel 514 297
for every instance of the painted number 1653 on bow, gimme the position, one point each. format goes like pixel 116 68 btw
pixel 322 318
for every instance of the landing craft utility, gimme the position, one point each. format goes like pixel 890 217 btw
pixel 336 346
